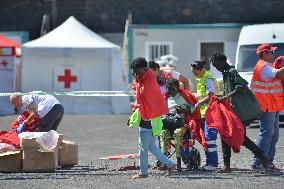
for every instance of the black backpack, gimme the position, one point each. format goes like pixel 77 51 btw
pixel 172 121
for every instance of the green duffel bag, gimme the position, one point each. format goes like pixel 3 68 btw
pixel 246 105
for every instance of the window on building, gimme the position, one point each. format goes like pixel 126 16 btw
pixel 156 49
pixel 207 49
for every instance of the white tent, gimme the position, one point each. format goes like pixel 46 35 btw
pixel 72 58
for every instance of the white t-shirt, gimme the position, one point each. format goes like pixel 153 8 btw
pixel 174 101
pixel 175 75
pixel 42 104
pixel 267 72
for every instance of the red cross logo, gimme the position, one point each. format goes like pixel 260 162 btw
pixel 67 78
pixel 4 63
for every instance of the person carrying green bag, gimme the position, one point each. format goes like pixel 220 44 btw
pixel 244 104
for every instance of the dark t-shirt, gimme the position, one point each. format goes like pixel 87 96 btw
pixel 232 80
pixel 244 102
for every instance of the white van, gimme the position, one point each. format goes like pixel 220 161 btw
pixel 250 38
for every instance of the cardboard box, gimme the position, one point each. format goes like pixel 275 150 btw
pixel 11 161
pixel 39 160
pixel 29 144
pixel 60 139
pixel 32 144
pixel 68 153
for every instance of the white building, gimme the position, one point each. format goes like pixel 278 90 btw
pixel 188 42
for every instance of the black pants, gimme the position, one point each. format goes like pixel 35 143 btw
pixel 52 119
pixel 226 149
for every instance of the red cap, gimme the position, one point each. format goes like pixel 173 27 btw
pixel 264 48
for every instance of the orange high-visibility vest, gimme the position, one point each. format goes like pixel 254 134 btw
pixel 268 93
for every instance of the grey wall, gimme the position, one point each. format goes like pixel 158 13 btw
pixel 107 16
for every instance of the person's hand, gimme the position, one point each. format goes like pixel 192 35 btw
pixel 193 108
pixel 222 98
pixel 21 127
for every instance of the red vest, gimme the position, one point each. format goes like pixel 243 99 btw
pixel 268 93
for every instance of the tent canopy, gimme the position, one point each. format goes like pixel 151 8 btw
pixel 9 47
pixel 93 63
pixel 6 42
pixel 71 34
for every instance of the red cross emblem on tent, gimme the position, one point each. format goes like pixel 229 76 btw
pixel 67 78
pixel 4 63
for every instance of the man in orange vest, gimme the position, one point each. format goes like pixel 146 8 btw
pixel 266 86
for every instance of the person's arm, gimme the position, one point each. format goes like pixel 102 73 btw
pixel 186 84
pixel 238 82
pixel 205 100
pixel 33 114
pixel 234 92
pixel 280 73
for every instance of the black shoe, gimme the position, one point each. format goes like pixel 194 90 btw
pixel 225 169
pixel 265 163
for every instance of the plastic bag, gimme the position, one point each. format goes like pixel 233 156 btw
pixel 4 147
pixel 30 135
pixel 48 140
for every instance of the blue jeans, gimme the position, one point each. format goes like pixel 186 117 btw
pixel 147 143
pixel 268 136
pixel 210 136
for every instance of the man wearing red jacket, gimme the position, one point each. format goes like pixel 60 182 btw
pixel 151 105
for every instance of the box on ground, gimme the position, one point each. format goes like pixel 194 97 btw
pixel 11 161
pixel 68 153
pixel 60 139
pixel 39 160
pixel 29 144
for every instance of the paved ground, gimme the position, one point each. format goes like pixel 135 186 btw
pixel 100 136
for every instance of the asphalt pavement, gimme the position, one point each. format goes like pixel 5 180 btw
pixel 104 135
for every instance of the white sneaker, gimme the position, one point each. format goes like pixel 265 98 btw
pixel 209 168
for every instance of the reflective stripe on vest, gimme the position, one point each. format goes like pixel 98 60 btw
pixel 268 93
pixel 266 84
pixel 212 149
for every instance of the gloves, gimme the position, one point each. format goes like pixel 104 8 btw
pixel 21 127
